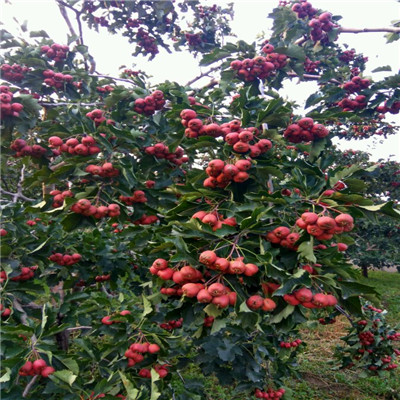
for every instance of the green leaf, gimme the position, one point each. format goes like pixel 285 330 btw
pixel 44 317
pixel 147 306
pixel 71 364
pixel 306 251
pixel 289 309
pixel 66 376
pixel 34 34
pixel 155 393
pixel 40 246
pixel 213 311
pixel 6 376
pixel 384 68
pixel 385 208
pixel 217 325
pixel 131 392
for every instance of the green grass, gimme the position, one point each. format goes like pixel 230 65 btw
pixel 320 381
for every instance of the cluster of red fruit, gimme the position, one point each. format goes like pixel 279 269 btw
pixel 59 196
pixel 366 338
pixel 304 130
pixel 65 259
pixel 311 66
pixel 97 116
pixel 347 55
pixel 326 321
pixel 320 26
pixel 259 67
pixel 150 104
pixel 221 174
pixel 350 104
pixel 284 237
pixel 307 299
pixel 256 302
pixel 162 371
pixel 323 228
pixel 104 89
pixel 146 220
pixel 269 394
pixel 194 39
pixel 22 149
pixel 107 170
pixel 56 79
pixel 102 278
pixel 56 52
pixel 356 84
pixel 161 151
pixel 138 197
pixel 148 43
pixel 107 319
pixel 215 220
pixel 288 345
pixel 37 367
pixel 304 9
pixel 5 312
pixel 26 273
pixel 86 147
pixel 84 207
pixel 195 127
pixel 184 275
pixel 13 73
pixel 210 259
pixel 393 109
pixel 136 351
pixel 170 325
pixel 8 108
pixel 244 141
pixel 208 321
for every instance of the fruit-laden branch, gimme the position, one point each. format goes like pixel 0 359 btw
pixel 62 6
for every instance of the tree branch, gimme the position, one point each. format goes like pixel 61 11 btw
pixel 367 30
pixel 202 75
pixel 50 105
pixel 29 385
pixel 19 194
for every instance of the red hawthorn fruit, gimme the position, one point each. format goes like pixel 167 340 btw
pixel 191 289
pixel 208 257
pixel 216 289
pixel 203 296
pixel 255 302
pixel 221 301
pixel 303 295
pixel 268 305
pixel 309 218
pixel 320 300
pixel 326 223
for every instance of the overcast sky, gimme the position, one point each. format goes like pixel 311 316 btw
pixel 251 19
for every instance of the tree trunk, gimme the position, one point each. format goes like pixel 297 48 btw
pixel 364 269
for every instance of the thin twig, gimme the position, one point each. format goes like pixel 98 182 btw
pixel 97 75
pixel 202 75
pixel 63 11
pixel 49 105
pixel 104 290
pixel 77 328
pixel 29 385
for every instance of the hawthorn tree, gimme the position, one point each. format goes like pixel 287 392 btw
pixel 150 228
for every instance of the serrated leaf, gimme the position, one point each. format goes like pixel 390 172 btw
pixel 213 311
pixel 155 393
pixel 147 306
pixel 6 376
pixel 131 392
pixel 306 250
pixel 384 68
pixel 217 325
pixel 283 314
pixel 66 376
